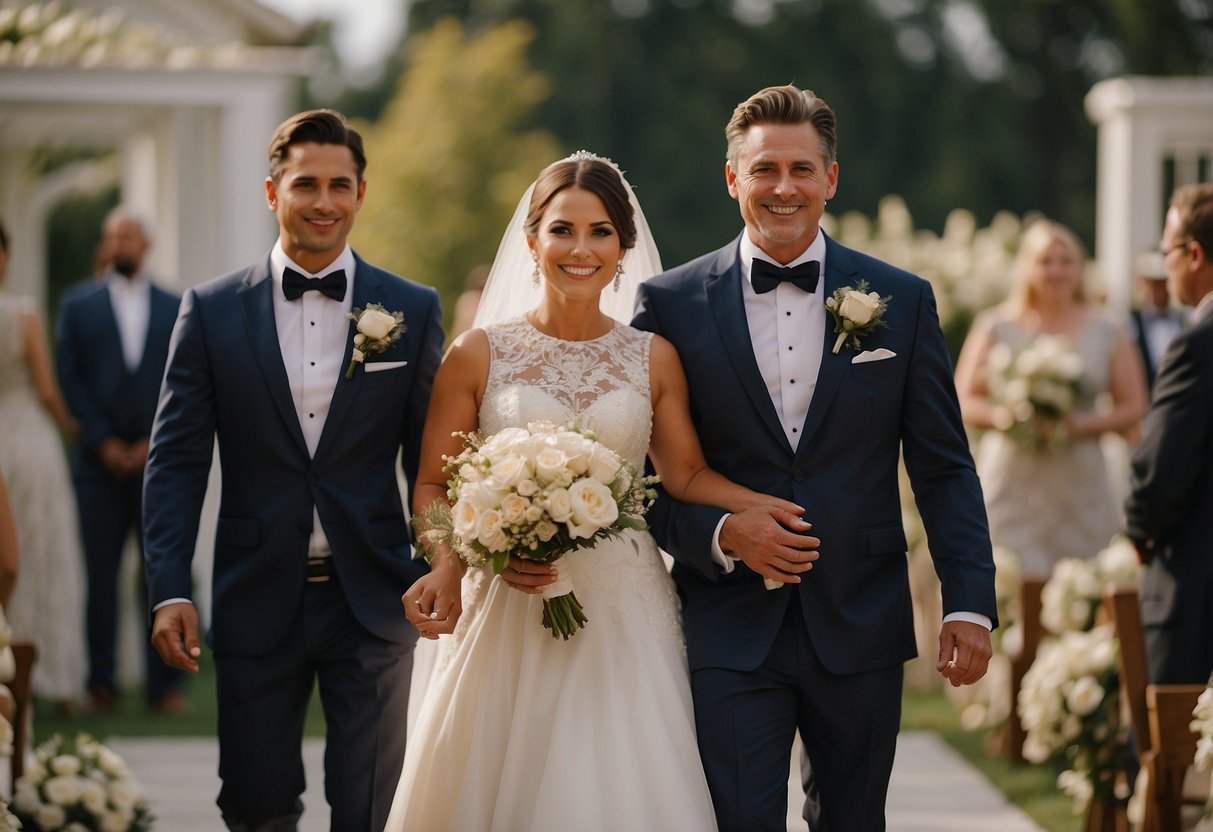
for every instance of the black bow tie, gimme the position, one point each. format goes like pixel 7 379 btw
pixel 765 275
pixel 295 284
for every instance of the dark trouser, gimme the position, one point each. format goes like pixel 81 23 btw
pixel 364 688
pixel 109 512
pixel 747 720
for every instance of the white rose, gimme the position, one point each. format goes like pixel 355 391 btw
pixel 50 817
pixel 533 513
pixel 527 488
pixel 513 509
pixel 470 473
pixel 576 449
pixel 1084 696
pixel 114 822
pixel 604 464
pixel 551 464
pixel 859 308
pixel 80 827
pixel 511 470
pixel 124 794
pixel 26 798
pixel 65 765
pixel 375 323
pixel 488 529
pixel 62 790
pixel 559 505
pixel 92 796
pixel 593 507
pixel 482 495
pixel 545 530
pixel 503 442
pixel 463 519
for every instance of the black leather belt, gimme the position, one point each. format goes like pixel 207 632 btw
pixel 320 570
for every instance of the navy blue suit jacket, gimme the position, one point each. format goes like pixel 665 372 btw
pixel 856 599
pixel 107 398
pixel 226 379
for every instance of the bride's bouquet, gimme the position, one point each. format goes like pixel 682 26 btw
pixel 1036 387
pixel 537 493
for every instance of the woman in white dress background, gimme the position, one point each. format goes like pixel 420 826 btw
pixel 520 730
pixel 48 606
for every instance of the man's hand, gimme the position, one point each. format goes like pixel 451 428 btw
pixel 770 541
pixel 115 456
pixel 528 576
pixel 434 602
pixel 964 652
pixel 175 635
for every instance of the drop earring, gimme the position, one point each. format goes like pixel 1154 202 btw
pixel 618 275
pixel 535 272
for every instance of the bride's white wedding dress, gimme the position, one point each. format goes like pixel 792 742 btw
pixel 522 731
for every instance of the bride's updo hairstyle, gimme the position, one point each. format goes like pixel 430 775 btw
pixel 590 173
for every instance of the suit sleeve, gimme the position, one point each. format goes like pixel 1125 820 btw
pixel 179 461
pixel 684 530
pixel 429 356
pixel 1167 465
pixel 944 479
pixel 76 388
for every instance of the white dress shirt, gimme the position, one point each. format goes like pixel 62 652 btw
pixel 312 333
pixel 131 300
pixel 1204 308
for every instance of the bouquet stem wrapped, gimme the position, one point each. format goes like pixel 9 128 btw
pixel 537 493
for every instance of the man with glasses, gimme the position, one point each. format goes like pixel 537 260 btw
pixel 1172 474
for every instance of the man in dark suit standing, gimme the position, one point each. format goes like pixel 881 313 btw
pixel 312 549
pixel 1155 322
pixel 111 345
pixel 1171 487
pixel 786 406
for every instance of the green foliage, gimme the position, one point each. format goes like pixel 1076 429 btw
pixel 452 154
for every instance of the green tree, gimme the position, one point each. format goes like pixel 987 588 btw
pixel 452 154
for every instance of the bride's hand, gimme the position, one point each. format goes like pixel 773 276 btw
pixel 434 603
pixel 528 576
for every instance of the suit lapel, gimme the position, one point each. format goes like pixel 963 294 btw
pixel 257 305
pixel 367 285
pixel 839 272
pixel 109 319
pixel 723 288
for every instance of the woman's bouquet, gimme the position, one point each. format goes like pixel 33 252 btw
pixel 1202 725
pixel 1036 387
pixel 80 785
pixel 1069 705
pixel 538 493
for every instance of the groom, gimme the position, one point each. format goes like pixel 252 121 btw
pixel 312 548
pixel 780 410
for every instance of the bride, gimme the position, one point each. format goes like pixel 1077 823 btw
pixel 517 729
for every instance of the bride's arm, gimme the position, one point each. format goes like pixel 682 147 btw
pixel 674 446
pixel 432 603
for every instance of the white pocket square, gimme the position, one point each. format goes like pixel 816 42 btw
pixel 873 355
pixel 376 366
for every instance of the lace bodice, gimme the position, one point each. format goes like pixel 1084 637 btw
pixel 14 370
pixel 602 383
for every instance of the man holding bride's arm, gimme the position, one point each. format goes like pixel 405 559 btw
pixel 810 367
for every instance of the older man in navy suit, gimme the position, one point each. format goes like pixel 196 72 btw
pixel 111 345
pixel 788 406
pixel 312 549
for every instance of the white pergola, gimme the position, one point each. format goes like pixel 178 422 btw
pixel 1145 126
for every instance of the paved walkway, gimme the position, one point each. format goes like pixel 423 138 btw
pixel 933 788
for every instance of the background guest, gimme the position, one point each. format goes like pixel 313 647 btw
pixel 112 344
pixel 1172 478
pixel 1052 500
pixel 9 546
pixel 49 609
pixel 1154 320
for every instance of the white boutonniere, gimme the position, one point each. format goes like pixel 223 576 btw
pixel 856 313
pixel 377 329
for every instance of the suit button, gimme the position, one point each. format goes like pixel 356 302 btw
pixel 798 475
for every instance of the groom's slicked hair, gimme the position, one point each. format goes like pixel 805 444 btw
pixel 598 177
pixel 783 105
pixel 320 127
pixel 1194 204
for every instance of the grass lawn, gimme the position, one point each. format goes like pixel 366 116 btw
pixel 1031 787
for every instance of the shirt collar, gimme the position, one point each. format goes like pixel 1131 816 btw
pixel 123 285
pixel 279 262
pixel 1204 309
pixel 748 251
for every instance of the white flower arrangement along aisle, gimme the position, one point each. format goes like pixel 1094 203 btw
pixel 1069 702
pixel 79 785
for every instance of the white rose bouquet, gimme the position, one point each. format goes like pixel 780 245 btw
pixel 79 785
pixel 1073 593
pixel 1202 726
pixel 1069 706
pixel 1036 388
pixel 538 493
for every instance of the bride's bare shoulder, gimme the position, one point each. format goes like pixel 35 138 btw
pixel 468 353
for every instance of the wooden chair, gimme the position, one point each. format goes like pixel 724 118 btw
pixel 1160 716
pixel 1029 623
pixel 25 654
